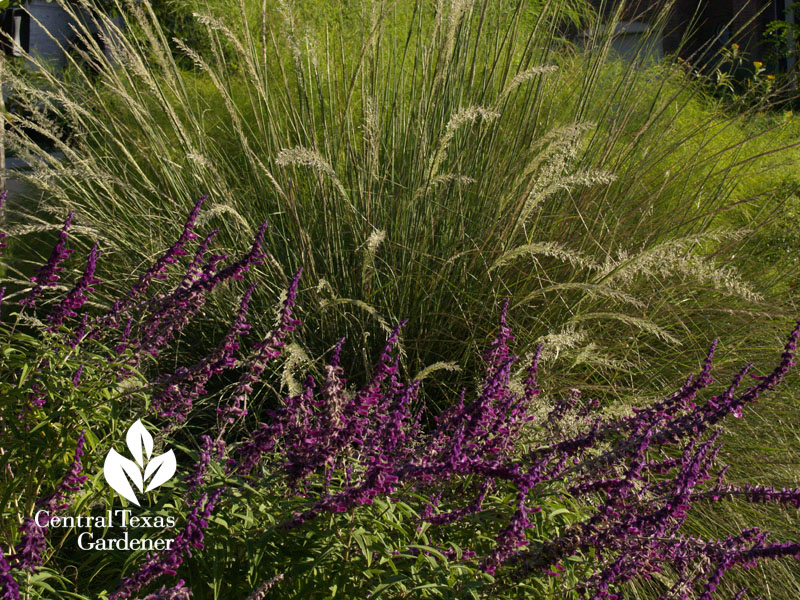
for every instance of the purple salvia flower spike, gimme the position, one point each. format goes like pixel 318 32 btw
pixel 167 562
pixel 48 274
pixel 177 592
pixel 172 313
pixel 76 377
pixel 80 332
pixel 180 389
pixel 156 271
pixel 196 266
pixel 77 295
pixel 261 592
pixel 263 352
pixel 196 477
pixel 9 589
pixel 3 195
pixel 28 552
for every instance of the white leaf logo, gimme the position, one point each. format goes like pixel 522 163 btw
pixel 161 468
pixel 115 469
pixel 138 437
pixel 120 471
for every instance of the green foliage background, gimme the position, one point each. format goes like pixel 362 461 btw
pixel 428 162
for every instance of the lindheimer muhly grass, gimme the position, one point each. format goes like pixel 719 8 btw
pixel 423 160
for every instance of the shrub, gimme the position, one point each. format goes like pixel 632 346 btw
pixel 339 489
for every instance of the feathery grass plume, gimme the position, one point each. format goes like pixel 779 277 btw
pixel 524 76
pixel 297 361
pixel 462 117
pixel 440 366
pixel 552 170
pixel 309 158
pixel 371 133
pixel 554 344
pixel 370 310
pixel 552 249
pixel 368 253
pixel 443 179
pixel 591 290
pixel 637 322
pixel 591 354
pixel 679 257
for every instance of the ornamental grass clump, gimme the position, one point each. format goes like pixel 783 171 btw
pixel 350 489
pixel 426 161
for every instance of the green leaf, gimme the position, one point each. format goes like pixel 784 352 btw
pixel 430 550
pixel 395 580
pixel 364 545
pixel 26 368
pixel 559 511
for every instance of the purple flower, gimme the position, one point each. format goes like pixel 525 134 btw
pixel 79 333
pixel 36 397
pixel 47 275
pixel 167 562
pixel 8 587
pixel 77 295
pixel 170 314
pixel 195 269
pixel 28 552
pixel 76 377
pixel 73 481
pixel 157 270
pixel 195 478
pixel 3 244
pixel 635 526
pixel 178 390
pixel 263 352
pixel 177 592
pixel 261 592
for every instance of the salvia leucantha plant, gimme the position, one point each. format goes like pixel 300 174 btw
pixel 341 489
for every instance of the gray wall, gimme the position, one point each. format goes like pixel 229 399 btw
pixel 54 32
